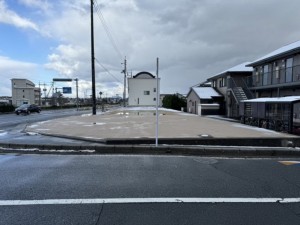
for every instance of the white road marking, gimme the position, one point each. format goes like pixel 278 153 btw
pixel 145 200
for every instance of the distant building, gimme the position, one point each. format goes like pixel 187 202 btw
pixel 142 89
pixel 24 92
pixel 5 100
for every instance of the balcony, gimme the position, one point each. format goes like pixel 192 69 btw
pixel 278 78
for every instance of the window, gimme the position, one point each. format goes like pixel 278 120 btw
pixel 154 89
pixel 289 70
pixel 223 82
pixel 154 99
pixel 146 92
pixel 276 74
pixel 265 74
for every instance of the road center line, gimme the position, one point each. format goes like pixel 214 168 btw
pixel 145 200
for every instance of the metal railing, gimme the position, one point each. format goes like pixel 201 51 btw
pixel 279 76
pixel 243 84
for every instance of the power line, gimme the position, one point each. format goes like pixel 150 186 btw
pixel 107 71
pixel 106 28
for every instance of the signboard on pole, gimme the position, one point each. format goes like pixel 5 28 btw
pixel 67 90
pixel 62 79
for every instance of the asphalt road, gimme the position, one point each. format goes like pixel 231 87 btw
pixel 12 126
pixel 79 190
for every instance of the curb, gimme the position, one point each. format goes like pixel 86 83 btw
pixel 222 151
pixel 245 142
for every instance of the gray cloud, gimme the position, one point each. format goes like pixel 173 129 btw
pixel 194 39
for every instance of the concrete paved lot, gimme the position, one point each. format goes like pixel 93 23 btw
pixel 141 122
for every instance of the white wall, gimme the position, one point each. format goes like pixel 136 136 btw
pixel 136 89
pixel 23 91
pixel 192 102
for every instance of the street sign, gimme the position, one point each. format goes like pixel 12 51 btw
pixel 62 79
pixel 67 90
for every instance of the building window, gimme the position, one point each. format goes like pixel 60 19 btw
pixel 289 70
pixel 222 82
pixel 276 74
pixel 154 89
pixel 265 74
pixel 154 99
pixel 146 92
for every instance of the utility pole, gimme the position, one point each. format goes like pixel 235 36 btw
pixel 125 73
pixel 76 93
pixel 93 59
pixel 40 94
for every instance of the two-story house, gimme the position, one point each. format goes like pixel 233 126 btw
pixel 277 74
pixel 142 89
pixel 231 83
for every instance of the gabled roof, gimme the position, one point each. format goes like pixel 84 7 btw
pixel 285 50
pixel 205 92
pixel 238 68
pixel 144 75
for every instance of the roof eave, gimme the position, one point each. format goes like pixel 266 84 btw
pixel 274 57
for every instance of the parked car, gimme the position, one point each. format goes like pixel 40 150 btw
pixel 27 109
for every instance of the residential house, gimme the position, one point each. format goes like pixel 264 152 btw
pixel 142 89
pixel 231 83
pixel 277 74
pixel 25 92
pixel 204 101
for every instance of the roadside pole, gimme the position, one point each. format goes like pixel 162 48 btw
pixel 125 73
pixel 93 60
pixel 76 93
pixel 157 99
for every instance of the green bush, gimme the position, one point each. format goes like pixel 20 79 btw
pixel 174 102
pixel 6 108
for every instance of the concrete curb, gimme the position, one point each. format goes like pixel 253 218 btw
pixel 258 142
pixel 222 151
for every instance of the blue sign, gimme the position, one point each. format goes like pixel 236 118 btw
pixel 67 90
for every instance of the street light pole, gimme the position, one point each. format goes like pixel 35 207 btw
pixel 93 59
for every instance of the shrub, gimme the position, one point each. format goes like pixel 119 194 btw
pixel 6 108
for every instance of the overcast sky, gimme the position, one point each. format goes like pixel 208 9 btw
pixel 194 39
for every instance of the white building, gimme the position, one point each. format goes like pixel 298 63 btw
pixel 24 92
pixel 142 90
